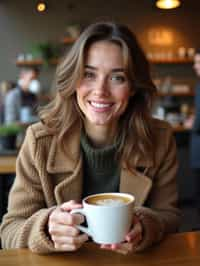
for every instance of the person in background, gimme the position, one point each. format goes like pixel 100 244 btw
pixel 5 87
pixel 30 74
pixel 97 135
pixel 21 96
pixel 195 134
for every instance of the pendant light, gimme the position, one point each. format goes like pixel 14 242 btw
pixel 41 7
pixel 168 4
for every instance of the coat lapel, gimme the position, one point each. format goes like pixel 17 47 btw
pixel 71 186
pixel 67 167
pixel 60 162
pixel 136 184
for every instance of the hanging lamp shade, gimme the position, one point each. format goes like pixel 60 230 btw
pixel 168 4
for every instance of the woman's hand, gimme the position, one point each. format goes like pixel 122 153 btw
pixel 61 226
pixel 132 239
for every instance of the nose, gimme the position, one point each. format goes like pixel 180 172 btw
pixel 101 87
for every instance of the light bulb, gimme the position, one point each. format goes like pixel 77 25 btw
pixel 41 6
pixel 168 4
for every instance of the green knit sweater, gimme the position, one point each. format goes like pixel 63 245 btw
pixel 101 170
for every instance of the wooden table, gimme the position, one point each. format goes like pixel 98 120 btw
pixel 7 164
pixel 176 250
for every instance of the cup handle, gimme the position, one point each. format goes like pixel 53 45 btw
pixel 81 227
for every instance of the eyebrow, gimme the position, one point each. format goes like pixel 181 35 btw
pixel 113 70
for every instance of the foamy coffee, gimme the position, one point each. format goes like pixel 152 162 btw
pixel 108 200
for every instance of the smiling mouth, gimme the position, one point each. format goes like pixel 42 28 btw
pixel 100 105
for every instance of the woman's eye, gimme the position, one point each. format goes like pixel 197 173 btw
pixel 118 78
pixel 89 75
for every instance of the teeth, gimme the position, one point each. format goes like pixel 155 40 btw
pixel 100 105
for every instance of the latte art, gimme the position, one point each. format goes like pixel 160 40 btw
pixel 110 202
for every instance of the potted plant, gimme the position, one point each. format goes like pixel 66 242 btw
pixel 8 135
pixel 46 51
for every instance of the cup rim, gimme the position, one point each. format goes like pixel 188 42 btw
pixel 132 199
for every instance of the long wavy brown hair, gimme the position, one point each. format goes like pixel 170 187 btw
pixel 62 115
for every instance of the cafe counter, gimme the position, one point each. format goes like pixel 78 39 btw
pixel 7 164
pixel 7 175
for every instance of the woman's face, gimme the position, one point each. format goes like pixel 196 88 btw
pixel 104 90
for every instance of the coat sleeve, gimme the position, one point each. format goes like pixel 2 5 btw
pixel 25 224
pixel 161 216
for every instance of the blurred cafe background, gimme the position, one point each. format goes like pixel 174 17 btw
pixel 34 34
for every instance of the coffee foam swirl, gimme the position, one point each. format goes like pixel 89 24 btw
pixel 110 202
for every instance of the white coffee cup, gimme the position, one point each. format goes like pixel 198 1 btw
pixel 108 215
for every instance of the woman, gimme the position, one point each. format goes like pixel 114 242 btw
pixel 96 136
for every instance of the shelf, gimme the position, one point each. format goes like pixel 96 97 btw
pixel 37 62
pixel 180 128
pixel 178 94
pixel 172 61
pixel 68 40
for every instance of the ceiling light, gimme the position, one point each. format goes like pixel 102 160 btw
pixel 41 6
pixel 168 4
